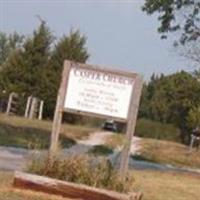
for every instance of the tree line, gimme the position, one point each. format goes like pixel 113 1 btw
pixel 32 65
pixel 173 99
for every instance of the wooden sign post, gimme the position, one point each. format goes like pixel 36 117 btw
pixel 99 92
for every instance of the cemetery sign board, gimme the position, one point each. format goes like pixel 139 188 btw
pixel 96 91
pixel 100 92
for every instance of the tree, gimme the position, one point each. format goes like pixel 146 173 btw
pixel 176 15
pixel 71 47
pixel 8 44
pixel 35 68
pixel 23 71
pixel 170 98
pixel 193 118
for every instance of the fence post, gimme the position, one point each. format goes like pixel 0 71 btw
pixel 41 110
pixel 9 103
pixel 28 106
pixel 32 110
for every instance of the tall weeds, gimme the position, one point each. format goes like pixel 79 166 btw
pixel 82 170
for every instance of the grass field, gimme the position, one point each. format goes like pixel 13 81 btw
pixel 169 153
pixel 167 185
pixel 154 186
pixel 21 132
pixel 160 151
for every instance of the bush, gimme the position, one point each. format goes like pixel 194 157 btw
pixel 152 129
pixel 82 170
pixel 193 118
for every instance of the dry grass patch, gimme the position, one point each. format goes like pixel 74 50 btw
pixel 169 153
pixel 154 185
pixel 82 169
pixel 167 185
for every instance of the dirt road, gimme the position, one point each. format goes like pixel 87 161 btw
pixel 16 158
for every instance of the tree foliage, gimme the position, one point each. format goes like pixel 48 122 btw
pixel 169 99
pixel 193 118
pixel 176 15
pixel 8 44
pixel 35 68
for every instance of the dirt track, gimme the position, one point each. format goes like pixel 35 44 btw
pixel 16 158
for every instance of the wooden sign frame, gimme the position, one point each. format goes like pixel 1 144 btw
pixel 131 116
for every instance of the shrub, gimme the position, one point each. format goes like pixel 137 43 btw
pixel 152 129
pixel 82 170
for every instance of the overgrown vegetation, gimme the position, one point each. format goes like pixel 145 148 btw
pixel 169 99
pixel 82 169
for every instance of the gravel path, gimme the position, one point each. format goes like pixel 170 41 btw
pixel 13 158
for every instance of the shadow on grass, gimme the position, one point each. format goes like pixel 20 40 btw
pixel 100 150
pixel 141 158
pixel 29 138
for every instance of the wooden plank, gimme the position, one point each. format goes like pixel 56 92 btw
pixel 132 118
pixel 66 189
pixel 59 109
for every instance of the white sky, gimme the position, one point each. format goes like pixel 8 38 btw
pixel 119 33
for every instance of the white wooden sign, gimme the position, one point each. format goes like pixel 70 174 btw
pixel 98 92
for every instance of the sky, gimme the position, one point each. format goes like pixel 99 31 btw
pixel 119 34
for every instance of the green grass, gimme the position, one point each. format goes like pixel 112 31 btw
pixel 156 130
pixel 21 132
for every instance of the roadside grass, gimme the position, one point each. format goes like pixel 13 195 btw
pixel 167 185
pixel 166 152
pixel 35 134
pixel 160 151
pixel 154 185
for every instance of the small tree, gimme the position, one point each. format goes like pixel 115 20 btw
pixel 193 119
